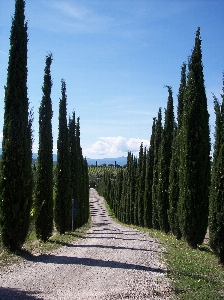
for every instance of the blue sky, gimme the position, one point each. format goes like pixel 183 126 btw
pixel 115 56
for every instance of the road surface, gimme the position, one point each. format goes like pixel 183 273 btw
pixel 111 262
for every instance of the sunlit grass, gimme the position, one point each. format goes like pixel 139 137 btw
pixel 195 273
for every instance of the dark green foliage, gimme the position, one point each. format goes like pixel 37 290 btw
pixel 79 179
pixel 119 188
pixel 174 189
pixel 157 142
pixel 181 93
pixel 165 154
pixel 74 165
pixel 85 188
pixel 194 154
pixel 149 180
pixel 44 174
pixel 124 199
pixel 141 185
pixel 133 182
pixel 16 180
pixel 216 221
pixel 63 190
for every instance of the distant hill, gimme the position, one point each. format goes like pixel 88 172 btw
pixel 91 161
pixel 35 155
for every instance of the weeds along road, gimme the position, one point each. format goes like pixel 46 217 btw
pixel 111 262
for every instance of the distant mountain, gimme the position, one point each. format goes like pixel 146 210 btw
pixel 35 155
pixel 91 161
pixel 100 161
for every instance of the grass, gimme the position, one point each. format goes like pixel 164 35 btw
pixel 194 274
pixel 33 246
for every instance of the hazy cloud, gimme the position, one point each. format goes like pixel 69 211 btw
pixel 114 147
pixel 75 18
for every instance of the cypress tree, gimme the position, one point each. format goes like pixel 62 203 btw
pixel 216 217
pixel 134 189
pixel 141 185
pixel 194 154
pixel 124 198
pixel 86 191
pixel 16 180
pixel 181 93
pixel 157 142
pixel 44 178
pixel 63 188
pixel 74 165
pixel 165 153
pixel 128 191
pixel 174 189
pixel 120 178
pixel 149 180
pixel 132 175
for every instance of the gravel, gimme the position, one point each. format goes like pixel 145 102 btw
pixel 111 262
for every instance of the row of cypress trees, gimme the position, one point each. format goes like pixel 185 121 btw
pixel 17 187
pixel 216 207
pixel 168 186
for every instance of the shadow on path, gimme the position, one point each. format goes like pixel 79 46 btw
pixel 11 294
pixel 67 260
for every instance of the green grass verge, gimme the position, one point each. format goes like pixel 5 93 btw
pixel 33 246
pixel 194 274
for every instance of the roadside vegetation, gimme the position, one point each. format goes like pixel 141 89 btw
pixel 34 246
pixel 42 196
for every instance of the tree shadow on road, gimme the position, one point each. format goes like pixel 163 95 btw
pixel 67 260
pixel 10 293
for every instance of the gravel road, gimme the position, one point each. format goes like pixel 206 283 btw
pixel 111 262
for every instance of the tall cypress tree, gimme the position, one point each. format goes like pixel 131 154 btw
pixel 16 180
pixel 63 188
pixel 157 142
pixel 86 191
pixel 174 189
pixel 149 180
pixel 216 217
pixel 165 154
pixel 141 185
pixel 194 154
pixel 128 192
pixel 44 178
pixel 133 170
pixel 80 175
pixel 74 165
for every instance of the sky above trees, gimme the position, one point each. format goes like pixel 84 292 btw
pixel 115 57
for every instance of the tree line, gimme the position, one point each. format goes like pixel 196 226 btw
pixel 20 191
pixel 174 186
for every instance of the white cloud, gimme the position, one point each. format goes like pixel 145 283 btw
pixel 72 17
pixel 72 10
pixel 114 147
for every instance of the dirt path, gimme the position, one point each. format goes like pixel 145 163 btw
pixel 110 262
